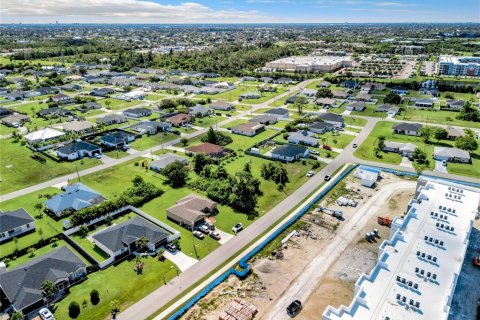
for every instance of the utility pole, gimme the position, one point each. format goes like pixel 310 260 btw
pixel 78 174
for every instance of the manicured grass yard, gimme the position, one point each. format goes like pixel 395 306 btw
pixel 265 96
pixel 147 142
pixel 354 121
pixel 155 97
pixel 117 104
pixel 118 282
pixel 209 121
pixel 338 141
pixel 48 226
pixel 440 117
pixel 384 128
pixel 19 170
pixel 235 123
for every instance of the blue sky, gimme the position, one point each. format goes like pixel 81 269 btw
pixel 238 11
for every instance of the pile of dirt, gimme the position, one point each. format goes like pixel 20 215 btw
pixel 265 266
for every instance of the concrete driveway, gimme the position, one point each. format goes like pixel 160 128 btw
pixel 439 167
pixel 406 162
pixel 181 260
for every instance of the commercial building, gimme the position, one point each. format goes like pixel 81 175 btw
pixel 418 267
pixel 309 64
pixel 459 66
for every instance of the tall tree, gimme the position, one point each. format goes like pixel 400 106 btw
pixel 467 143
pixel 176 174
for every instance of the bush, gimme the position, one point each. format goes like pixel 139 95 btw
pixel 94 297
pixel 74 310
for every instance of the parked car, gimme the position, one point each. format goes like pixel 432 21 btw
pixel 311 151
pixel 215 235
pixel 237 228
pixel 126 147
pixel 198 234
pixel 211 226
pixel 46 314
pixel 310 173
pixel 98 156
pixel 228 115
pixel 171 247
pixel 354 145
pixel 204 229
pixel 326 147
pixel 444 163
pixel 327 178
pixel 294 308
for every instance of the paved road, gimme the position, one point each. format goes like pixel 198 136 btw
pixel 58 180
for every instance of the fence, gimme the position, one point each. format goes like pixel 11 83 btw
pixel 243 263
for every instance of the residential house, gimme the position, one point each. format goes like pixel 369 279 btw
pixel 137 112
pixel 221 106
pixel 15 120
pixel 112 119
pixel 199 111
pixel 291 99
pixel 308 93
pixel 399 90
pixel 325 102
pixel 248 129
pixel 15 95
pixel 409 129
pixel 365 97
pixel 266 119
pixel 320 127
pixel 356 106
pixel 283 80
pixel 71 87
pixel 151 127
pixel 339 94
pixel 278 112
pixel 303 137
pixel 250 95
pixel 208 149
pixel 77 150
pixel 53 112
pixel 61 98
pixel 191 211
pixel 451 154
pixel 266 79
pixel 165 160
pixel 124 238
pixel 179 120
pixel 21 286
pixel 42 135
pixel 404 149
pixel 15 223
pixel 78 127
pixel 247 78
pixel 289 152
pixel 454 133
pixel 75 197
pixel 349 84
pixel 89 106
pixel 117 139
pixel 324 84
pixel 424 103
pixel 430 91
pixel 5 112
pixel 390 109
pixel 102 92
pixel 332 118
pixel 455 104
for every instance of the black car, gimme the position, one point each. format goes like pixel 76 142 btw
pixel 294 308
pixel 327 178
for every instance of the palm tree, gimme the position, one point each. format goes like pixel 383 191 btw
pixel 48 288
pixel 142 242
pixel 114 308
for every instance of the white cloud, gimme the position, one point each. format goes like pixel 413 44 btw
pixel 394 4
pixel 119 11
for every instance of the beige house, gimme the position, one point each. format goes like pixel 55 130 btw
pixel 191 211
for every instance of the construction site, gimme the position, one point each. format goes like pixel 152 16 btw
pixel 319 258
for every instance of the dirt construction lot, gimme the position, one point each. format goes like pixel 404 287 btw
pixel 323 260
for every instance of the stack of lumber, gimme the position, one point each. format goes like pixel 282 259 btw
pixel 238 310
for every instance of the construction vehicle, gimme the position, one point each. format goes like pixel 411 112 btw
pixel 383 221
pixel 334 213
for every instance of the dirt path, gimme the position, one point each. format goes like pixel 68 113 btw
pixel 306 283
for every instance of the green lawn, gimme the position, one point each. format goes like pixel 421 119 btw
pixel 281 102
pixel 369 112
pixel 147 142
pixel 340 140
pixel 119 283
pixel 155 97
pixel 384 128
pixel 209 121
pixel 235 123
pixel 354 121
pixel 116 154
pixel 19 170
pixel 265 96
pixel 117 104
pixel 440 117
pixel 47 225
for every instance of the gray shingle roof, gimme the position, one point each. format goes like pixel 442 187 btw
pixel 405 126
pixel 76 196
pixel 22 284
pixel 277 111
pixel 13 219
pixel 120 236
pixel 288 150
pixel 78 146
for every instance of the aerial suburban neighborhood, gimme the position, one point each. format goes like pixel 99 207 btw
pixel 157 169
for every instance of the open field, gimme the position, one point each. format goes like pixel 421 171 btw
pixel 148 141
pixel 440 117
pixel 117 104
